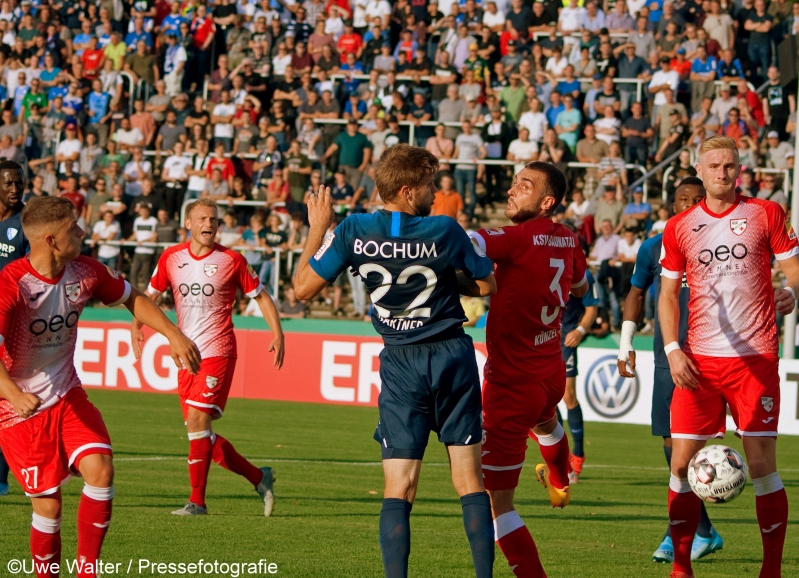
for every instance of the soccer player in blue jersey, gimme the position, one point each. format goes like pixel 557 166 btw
pixel 414 268
pixel 647 273
pixel 578 317
pixel 13 244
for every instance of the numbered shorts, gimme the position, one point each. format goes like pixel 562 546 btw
pixel 569 355
pixel 662 393
pixel 509 413
pixel 44 450
pixel 428 387
pixel 749 385
pixel 208 390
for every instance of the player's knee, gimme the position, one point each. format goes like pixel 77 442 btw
pixel 48 522
pixel 97 470
pixel 501 502
pixel 198 421
pixel 569 398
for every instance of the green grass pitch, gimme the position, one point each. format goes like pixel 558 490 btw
pixel 329 490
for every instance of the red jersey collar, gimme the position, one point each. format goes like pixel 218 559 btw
pixel 33 272
pixel 710 213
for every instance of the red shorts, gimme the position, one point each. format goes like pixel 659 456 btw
pixel 44 450
pixel 208 390
pixel 749 385
pixel 509 411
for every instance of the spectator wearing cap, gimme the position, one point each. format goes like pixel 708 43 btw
pixel 174 65
pixel 631 66
pixel 639 210
pixel 68 151
pixel 777 151
pixel 703 75
pixel 354 153
pixel 512 58
pixel 675 137
pixel 723 103
pixel 663 81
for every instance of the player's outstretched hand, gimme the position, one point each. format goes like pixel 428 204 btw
pixel 320 209
pixel 683 371
pixel 136 340
pixel 785 301
pixel 184 353
pixel 622 365
pixel 279 347
pixel 25 404
pixel 573 339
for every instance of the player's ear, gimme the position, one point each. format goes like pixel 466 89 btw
pixel 548 203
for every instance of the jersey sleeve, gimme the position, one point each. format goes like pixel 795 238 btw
pixel 111 288
pixel 497 244
pixel 331 258
pixel 159 282
pixel 469 256
pixel 782 237
pixel 590 299
pixel 579 267
pixel 8 300
pixel 246 277
pixel 644 272
pixel 672 260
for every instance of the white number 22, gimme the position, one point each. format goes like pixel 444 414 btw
pixel 556 289
pixel 415 309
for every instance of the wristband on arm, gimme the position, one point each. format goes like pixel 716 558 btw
pixel 626 340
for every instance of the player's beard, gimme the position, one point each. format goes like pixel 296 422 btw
pixel 524 214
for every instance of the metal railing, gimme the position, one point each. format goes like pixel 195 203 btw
pixel 131 89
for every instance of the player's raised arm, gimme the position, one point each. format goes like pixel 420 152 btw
pixel 307 282
pixel 184 351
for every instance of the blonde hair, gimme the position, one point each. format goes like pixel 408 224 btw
pixel 200 203
pixel 718 142
pixel 48 211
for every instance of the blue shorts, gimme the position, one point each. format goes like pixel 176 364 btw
pixel 433 386
pixel 661 402
pixel 570 359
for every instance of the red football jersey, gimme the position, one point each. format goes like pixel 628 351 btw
pixel 39 325
pixel 538 262
pixel 205 289
pixel 727 263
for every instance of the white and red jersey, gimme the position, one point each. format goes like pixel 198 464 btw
pixel 39 325
pixel 726 258
pixel 205 289
pixel 537 263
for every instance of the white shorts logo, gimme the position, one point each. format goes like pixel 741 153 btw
pixel 211 381
pixel 738 226
pixel 767 403
pixel 73 292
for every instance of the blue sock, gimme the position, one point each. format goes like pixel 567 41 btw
pixel 479 527
pixel 3 469
pixel 395 536
pixel 575 417
pixel 667 453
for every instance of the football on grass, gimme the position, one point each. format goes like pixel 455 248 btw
pixel 717 474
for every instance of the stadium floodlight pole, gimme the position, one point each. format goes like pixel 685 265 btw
pixel 789 341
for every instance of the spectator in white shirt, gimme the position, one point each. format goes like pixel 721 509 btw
pixel 222 119
pixel 107 229
pixel 68 151
pixel 522 150
pixel 136 169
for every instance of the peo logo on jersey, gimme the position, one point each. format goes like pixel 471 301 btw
pixel 73 292
pixel 11 232
pixel 210 270
pixel 738 226
pixel 608 393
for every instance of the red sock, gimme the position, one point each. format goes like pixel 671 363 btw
pixel 517 544
pixel 684 511
pixel 226 456
pixel 45 545
pixel 200 450
pixel 555 450
pixel 94 517
pixel 772 516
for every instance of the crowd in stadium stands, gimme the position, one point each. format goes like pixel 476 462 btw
pixel 130 109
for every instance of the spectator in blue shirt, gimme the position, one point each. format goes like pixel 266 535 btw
pixel 136 34
pixel 98 113
pixel 355 107
pixel 173 20
pixel 555 107
pixel 639 210
pixel 81 41
pixel 703 77
pixel 569 84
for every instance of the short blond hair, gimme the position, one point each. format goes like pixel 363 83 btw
pixel 718 142
pixel 201 203
pixel 46 211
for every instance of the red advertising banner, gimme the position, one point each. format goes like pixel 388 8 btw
pixel 318 368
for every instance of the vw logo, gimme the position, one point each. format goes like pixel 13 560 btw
pixel 609 394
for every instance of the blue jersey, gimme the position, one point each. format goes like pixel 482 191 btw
pixel 575 308
pixel 13 243
pixel 408 264
pixel 646 274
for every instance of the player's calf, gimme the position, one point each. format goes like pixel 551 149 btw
pixel 45 544
pixel 94 518
pixel 513 537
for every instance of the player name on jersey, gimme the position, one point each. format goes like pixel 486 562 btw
pixel 394 250
pixel 554 241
